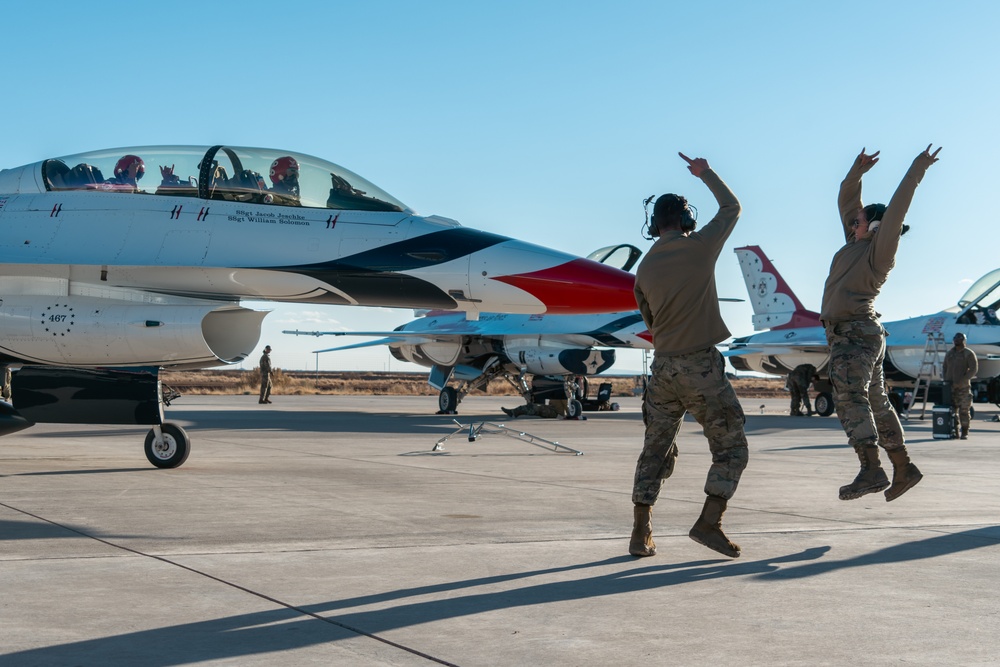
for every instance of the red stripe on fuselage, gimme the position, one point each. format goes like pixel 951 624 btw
pixel 579 287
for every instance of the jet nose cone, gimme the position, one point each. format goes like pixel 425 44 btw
pixel 578 287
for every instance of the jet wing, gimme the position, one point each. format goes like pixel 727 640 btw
pixel 371 343
pixel 776 349
pixel 389 338
pixel 781 341
pixel 497 324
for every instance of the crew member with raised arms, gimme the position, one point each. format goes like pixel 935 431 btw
pixel 675 290
pixel 856 337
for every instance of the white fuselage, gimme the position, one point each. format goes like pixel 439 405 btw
pixel 146 274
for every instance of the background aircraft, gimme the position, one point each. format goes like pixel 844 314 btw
pixel 794 335
pixel 105 277
pixel 472 353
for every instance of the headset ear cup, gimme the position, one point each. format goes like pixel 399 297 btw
pixel 653 230
pixel 688 222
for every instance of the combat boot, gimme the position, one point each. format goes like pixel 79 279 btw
pixel 871 477
pixel 965 433
pixel 707 530
pixel 905 475
pixel 642 543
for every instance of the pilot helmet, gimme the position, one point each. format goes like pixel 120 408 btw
pixel 281 167
pixel 126 162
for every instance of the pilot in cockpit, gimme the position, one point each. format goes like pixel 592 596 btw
pixel 284 175
pixel 169 177
pixel 128 171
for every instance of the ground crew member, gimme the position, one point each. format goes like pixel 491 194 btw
pixel 960 366
pixel 798 384
pixel 856 338
pixel 265 375
pixel 675 290
pixel 534 410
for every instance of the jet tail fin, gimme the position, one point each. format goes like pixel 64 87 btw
pixel 775 306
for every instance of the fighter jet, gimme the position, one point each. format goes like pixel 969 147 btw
pixel 105 277
pixel 793 335
pixel 472 353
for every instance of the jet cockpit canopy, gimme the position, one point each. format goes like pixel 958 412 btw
pixel 980 302
pixel 229 173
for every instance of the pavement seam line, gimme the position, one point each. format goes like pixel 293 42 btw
pixel 231 584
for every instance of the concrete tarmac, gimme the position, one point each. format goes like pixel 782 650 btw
pixel 324 530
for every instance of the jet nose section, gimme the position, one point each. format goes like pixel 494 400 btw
pixel 577 287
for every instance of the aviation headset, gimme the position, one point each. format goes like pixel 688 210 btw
pixel 672 209
pixel 874 214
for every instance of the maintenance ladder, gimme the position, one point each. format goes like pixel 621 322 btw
pixel 933 349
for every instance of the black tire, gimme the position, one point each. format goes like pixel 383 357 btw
pixel 448 400
pixel 574 409
pixel 174 449
pixel 824 404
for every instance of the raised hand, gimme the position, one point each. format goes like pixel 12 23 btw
pixel 697 165
pixel 866 161
pixel 927 158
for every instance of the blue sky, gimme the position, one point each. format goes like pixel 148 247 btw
pixel 551 121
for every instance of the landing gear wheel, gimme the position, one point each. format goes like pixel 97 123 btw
pixel 448 401
pixel 574 409
pixel 824 404
pixel 171 450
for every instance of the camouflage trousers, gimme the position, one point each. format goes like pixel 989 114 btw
pixel 536 410
pixel 961 401
pixel 694 383
pixel 857 350
pixel 799 396
pixel 265 386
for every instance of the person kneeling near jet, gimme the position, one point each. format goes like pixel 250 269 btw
pixel 533 410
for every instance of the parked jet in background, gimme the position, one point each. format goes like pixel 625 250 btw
pixel 472 353
pixel 510 346
pixel 102 271
pixel 794 335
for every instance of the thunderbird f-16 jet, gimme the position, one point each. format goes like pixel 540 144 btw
pixel 472 353
pixel 793 336
pixel 105 276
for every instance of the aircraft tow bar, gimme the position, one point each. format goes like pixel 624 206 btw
pixel 476 431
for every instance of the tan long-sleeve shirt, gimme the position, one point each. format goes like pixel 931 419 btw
pixel 960 366
pixel 861 267
pixel 675 282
